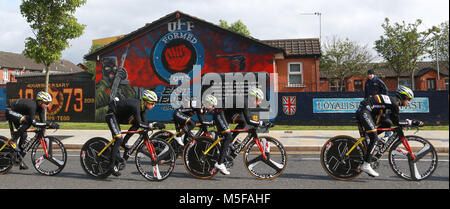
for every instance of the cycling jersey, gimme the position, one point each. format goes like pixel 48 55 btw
pixel 22 114
pixel 380 104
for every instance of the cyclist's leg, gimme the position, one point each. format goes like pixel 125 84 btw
pixel 223 127
pixel 366 119
pixel 116 133
pixel 21 123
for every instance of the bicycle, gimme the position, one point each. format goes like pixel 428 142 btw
pixel 154 158
pixel 48 154
pixel 342 156
pixel 200 155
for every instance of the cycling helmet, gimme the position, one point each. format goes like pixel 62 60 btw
pixel 405 93
pixel 258 93
pixel 210 100
pixel 44 96
pixel 149 96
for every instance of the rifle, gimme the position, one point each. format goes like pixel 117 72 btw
pixel 237 59
pixel 117 78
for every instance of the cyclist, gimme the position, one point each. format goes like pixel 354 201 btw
pixel 22 114
pixel 128 111
pixel 182 118
pixel 241 116
pixel 373 107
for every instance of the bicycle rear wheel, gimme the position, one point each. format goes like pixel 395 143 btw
pixel 94 165
pixel 334 161
pixel 196 162
pixel 268 166
pixel 6 156
pixel 48 156
pixel 424 164
pixel 155 159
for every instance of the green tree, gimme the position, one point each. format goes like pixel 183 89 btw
pixel 91 65
pixel 238 27
pixel 53 25
pixel 344 58
pixel 440 44
pixel 402 46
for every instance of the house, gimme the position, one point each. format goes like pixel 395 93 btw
pixel 425 79
pixel 12 64
pixel 296 61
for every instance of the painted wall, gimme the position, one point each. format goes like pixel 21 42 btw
pixel 178 46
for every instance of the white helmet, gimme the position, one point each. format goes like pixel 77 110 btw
pixel 405 92
pixel 258 93
pixel 44 96
pixel 149 96
pixel 210 100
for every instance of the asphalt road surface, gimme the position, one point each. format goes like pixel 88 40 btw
pixel 304 171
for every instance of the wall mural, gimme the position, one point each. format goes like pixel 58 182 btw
pixel 148 61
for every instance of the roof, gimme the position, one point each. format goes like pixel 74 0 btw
pixel 19 61
pixel 170 17
pixel 297 47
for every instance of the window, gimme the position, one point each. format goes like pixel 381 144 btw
pixel 358 85
pixel 431 84
pixel 336 85
pixel 405 82
pixel 295 74
pixel 446 84
pixel 5 75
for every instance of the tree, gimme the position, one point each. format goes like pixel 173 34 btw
pixel 402 46
pixel 344 58
pixel 238 27
pixel 53 25
pixel 440 43
pixel 91 65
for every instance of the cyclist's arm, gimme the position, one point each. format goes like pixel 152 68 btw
pixel 248 119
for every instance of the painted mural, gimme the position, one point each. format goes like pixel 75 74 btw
pixel 148 61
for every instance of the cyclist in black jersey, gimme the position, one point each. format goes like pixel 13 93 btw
pixel 128 111
pixel 241 116
pixel 22 114
pixel 370 112
pixel 183 119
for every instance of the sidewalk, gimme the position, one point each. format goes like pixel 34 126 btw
pixel 301 141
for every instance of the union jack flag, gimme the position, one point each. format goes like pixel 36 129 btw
pixel 289 105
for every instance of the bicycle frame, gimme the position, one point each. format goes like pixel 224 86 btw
pixel 142 136
pixel 397 130
pixel 251 135
pixel 28 145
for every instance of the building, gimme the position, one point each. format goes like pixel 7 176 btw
pixel 425 79
pixel 179 42
pixel 12 64
pixel 295 60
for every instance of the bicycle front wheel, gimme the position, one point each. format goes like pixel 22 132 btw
pixel 419 168
pixel 334 161
pixel 48 156
pixel 155 159
pixel 6 156
pixel 196 162
pixel 265 158
pixel 94 165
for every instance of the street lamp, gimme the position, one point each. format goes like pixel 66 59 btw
pixel 320 21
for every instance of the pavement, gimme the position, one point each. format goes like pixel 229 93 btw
pixel 300 141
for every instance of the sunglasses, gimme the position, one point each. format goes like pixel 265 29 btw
pixel 46 103
pixel 151 103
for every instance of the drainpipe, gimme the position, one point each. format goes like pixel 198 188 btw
pixel 315 65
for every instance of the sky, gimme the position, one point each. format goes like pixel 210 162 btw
pixel 358 20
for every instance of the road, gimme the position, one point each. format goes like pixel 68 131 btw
pixel 303 172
